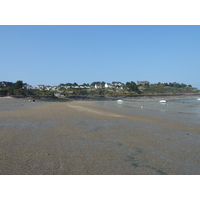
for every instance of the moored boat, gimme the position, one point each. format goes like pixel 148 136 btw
pixel 162 101
pixel 119 101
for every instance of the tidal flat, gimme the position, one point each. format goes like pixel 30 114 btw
pixel 96 138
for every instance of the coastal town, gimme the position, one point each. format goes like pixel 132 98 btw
pixel 96 85
pixel 98 88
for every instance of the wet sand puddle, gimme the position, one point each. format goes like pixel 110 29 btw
pixel 136 117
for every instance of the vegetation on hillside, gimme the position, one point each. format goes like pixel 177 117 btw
pixel 73 89
pixel 17 90
pixel 168 88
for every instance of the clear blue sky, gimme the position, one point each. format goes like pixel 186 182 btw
pixel 51 55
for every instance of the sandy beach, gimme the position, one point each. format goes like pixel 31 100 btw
pixel 90 138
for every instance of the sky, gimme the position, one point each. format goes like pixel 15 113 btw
pixel 51 55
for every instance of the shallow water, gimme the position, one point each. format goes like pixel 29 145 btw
pixel 176 109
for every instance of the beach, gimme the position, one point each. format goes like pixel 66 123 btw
pixel 95 138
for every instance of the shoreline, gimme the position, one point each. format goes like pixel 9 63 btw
pixel 103 98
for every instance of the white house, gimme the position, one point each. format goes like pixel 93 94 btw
pixel 108 85
pixel 40 87
pixel 117 84
pixel 48 88
pixel 76 87
pixel 54 88
pixel 84 86
pixel 27 86
pixel 97 86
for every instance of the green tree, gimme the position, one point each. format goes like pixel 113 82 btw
pixel 86 84
pixel 75 84
pixel 69 84
pixel 132 87
pixel 18 85
pixel 96 82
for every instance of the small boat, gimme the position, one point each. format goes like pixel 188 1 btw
pixel 198 99
pixel 162 101
pixel 119 101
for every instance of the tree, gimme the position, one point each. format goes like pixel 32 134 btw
pixel 75 84
pixel 86 84
pixel 132 86
pixel 95 83
pixel 69 84
pixel 18 85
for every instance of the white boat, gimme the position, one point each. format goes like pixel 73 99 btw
pixel 119 101
pixel 162 101
pixel 198 99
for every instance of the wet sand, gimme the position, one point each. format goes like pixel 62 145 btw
pixel 84 137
